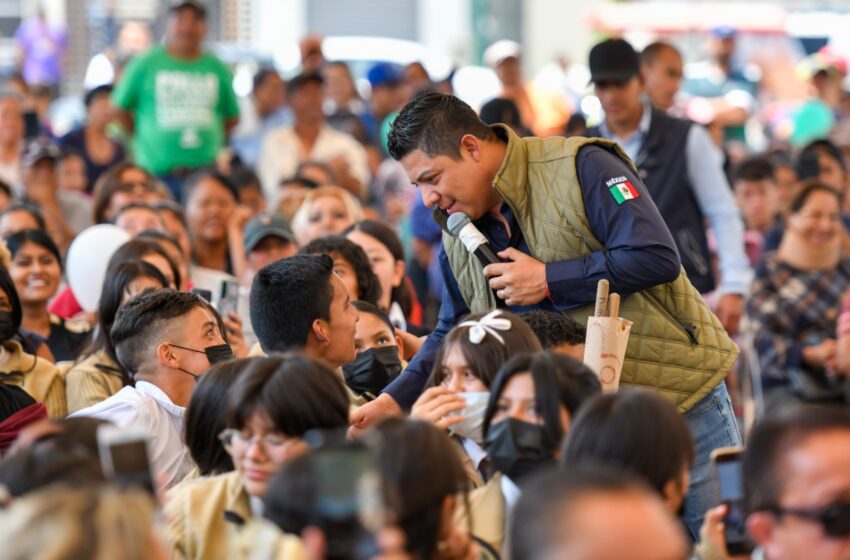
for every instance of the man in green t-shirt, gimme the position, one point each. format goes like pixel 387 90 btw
pixel 177 100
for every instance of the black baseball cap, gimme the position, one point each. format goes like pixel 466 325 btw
pixel 614 60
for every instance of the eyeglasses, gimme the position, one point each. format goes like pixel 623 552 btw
pixel 834 518
pixel 148 186
pixel 236 443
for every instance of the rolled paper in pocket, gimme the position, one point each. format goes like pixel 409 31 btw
pixel 605 349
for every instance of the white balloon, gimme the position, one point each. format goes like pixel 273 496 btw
pixel 87 259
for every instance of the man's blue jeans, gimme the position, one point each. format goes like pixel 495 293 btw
pixel 713 425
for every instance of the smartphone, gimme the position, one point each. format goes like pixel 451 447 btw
pixel 32 127
pixel 350 492
pixel 228 298
pixel 205 294
pixel 729 490
pixel 125 457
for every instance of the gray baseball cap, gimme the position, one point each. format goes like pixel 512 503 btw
pixel 265 225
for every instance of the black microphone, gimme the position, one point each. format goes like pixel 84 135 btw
pixel 462 227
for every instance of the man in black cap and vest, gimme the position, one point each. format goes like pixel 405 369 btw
pixel 682 169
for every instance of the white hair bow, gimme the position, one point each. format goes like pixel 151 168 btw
pixel 487 324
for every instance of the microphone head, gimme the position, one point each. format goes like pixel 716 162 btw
pixel 441 217
pixel 457 222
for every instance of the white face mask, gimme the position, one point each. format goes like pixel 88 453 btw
pixel 472 425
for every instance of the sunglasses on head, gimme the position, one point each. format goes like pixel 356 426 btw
pixel 834 518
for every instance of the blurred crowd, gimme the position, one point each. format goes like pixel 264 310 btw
pixel 253 328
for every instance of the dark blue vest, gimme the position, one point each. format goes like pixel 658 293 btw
pixel 662 165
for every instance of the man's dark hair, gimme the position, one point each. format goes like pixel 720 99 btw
pixel 538 520
pixel 368 285
pixel 95 92
pixel 434 123
pixel 142 322
pixel 648 55
pixel 554 328
pixel 636 431
pixel 287 296
pixel 261 75
pixel 770 442
pixel 295 392
pixel 754 169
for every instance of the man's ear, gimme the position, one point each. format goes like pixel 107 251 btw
pixel 470 146
pixel 760 526
pixel 321 331
pixel 166 356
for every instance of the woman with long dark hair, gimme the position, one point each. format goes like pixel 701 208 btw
pixel 386 255
pixel 99 375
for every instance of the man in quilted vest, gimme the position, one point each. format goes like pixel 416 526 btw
pixel 563 213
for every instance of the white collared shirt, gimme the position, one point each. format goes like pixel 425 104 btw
pixel 148 408
pixel 511 493
pixel 475 452
pixel 282 152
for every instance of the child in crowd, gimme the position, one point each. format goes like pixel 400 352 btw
pixel 459 386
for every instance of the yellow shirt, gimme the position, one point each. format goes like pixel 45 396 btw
pixel 210 519
pixel 38 377
pixel 91 381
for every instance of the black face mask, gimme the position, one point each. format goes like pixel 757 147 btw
pixel 7 325
pixel 518 448
pixel 372 370
pixel 215 354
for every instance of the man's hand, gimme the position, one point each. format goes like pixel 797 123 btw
pixel 519 282
pixel 371 413
pixel 730 309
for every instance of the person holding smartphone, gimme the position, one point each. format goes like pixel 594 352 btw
pixel 797 485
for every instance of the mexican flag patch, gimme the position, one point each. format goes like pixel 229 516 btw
pixel 623 191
